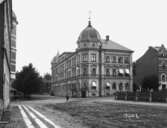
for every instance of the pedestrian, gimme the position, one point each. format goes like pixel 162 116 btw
pixel 67 97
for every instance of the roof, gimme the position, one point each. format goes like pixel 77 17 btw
pixel 114 46
pixel 14 17
pixel 161 49
pixel 89 34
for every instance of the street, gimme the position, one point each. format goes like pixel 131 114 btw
pixel 105 112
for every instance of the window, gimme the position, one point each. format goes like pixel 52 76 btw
pixel 127 72
pixel 94 85
pixel 126 60
pixel 120 59
pixel 78 70
pixel 107 59
pixel 13 55
pixel 85 57
pixel 93 57
pixel 93 71
pixel 73 71
pixel 85 71
pixel 114 86
pixel 163 77
pixel 107 71
pixel 107 85
pixel 114 59
pixel 114 72
pixel 121 72
pixel 120 87
pixel 127 87
pixel 163 65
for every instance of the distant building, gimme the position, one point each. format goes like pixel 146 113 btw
pixel 5 51
pixel 98 67
pixel 13 47
pixel 153 62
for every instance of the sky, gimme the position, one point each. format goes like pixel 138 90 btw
pixel 48 26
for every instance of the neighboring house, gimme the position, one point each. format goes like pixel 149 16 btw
pixel 153 62
pixel 5 51
pixel 98 67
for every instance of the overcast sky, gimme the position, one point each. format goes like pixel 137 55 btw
pixel 48 26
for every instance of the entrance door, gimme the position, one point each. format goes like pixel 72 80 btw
pixel 83 93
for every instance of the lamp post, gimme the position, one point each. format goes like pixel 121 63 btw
pixel 100 68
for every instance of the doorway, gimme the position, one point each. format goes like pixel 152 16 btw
pixel 83 93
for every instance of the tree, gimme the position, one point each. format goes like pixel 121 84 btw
pixel 28 80
pixel 150 82
pixel 46 86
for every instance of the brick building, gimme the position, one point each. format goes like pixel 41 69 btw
pixel 153 62
pixel 98 67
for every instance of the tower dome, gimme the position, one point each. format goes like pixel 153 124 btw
pixel 89 34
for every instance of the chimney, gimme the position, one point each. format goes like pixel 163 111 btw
pixel 107 38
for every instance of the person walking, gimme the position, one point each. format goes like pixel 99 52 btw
pixel 67 97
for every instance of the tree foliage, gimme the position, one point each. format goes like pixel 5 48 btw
pixel 47 76
pixel 28 80
pixel 150 82
pixel 46 87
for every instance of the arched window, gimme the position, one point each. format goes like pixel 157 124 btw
pixel 107 59
pixel 114 86
pixel 107 71
pixel 114 72
pixel 94 84
pixel 85 71
pixel 107 85
pixel 120 87
pixel 163 77
pixel 93 71
pixel 114 59
pixel 120 59
pixel 127 86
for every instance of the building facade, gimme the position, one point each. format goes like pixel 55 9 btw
pixel 98 67
pixel 13 47
pixel 153 62
pixel 5 51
